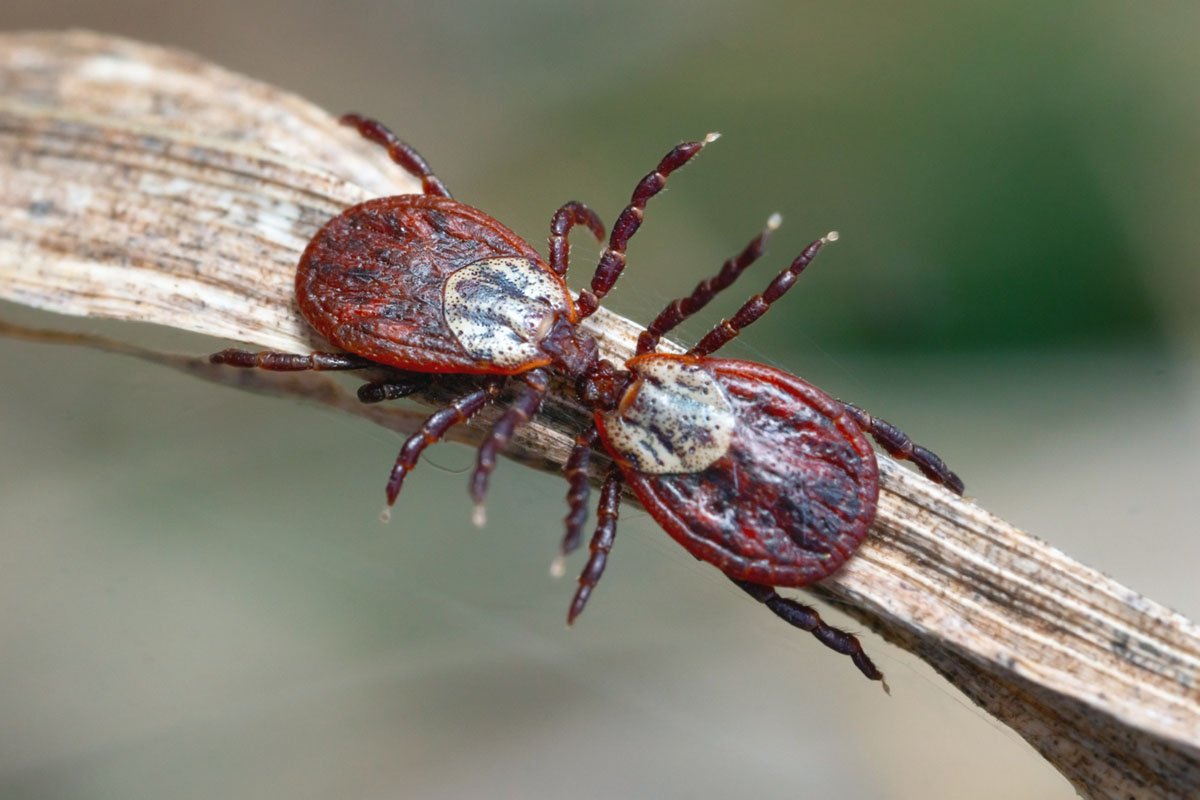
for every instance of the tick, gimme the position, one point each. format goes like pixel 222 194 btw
pixel 425 284
pixel 749 468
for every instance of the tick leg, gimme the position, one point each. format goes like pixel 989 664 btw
pixel 898 445
pixel 393 388
pixel 705 291
pixel 613 259
pixel 290 362
pixel 566 218
pixel 807 619
pixel 576 471
pixel 756 306
pixel 435 428
pixel 537 382
pixel 400 151
pixel 602 542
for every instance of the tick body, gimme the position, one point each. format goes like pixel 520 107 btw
pixel 751 469
pixel 428 284
pixel 782 494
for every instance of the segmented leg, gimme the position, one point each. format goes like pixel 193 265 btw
pixel 566 218
pixel 392 388
pixel 290 362
pixel 705 291
pixel 601 544
pixel 807 619
pixel 576 471
pixel 537 382
pixel 400 152
pixel 613 259
pixel 898 445
pixel 756 306
pixel 435 428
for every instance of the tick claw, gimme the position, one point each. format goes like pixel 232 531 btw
pixel 479 516
pixel 385 516
pixel 558 567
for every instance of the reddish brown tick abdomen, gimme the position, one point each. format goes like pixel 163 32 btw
pixel 372 280
pixel 790 499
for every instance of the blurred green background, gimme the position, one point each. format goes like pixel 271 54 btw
pixel 197 597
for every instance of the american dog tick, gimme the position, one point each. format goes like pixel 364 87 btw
pixel 749 468
pixel 425 284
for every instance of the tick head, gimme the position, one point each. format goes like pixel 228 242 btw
pixel 603 386
pixel 570 349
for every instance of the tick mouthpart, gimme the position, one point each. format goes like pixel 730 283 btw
pixel 572 351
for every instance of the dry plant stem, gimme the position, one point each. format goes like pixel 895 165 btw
pixel 145 185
